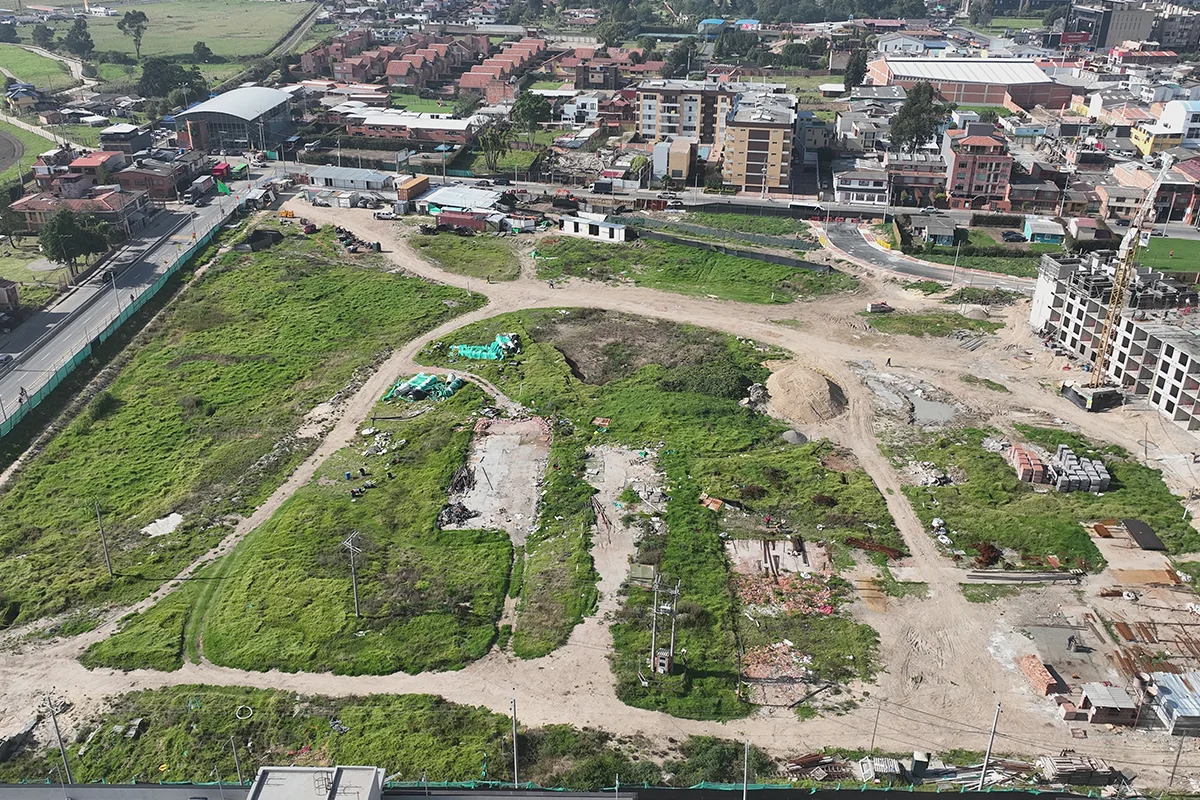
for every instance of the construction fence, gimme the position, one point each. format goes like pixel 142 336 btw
pixel 71 362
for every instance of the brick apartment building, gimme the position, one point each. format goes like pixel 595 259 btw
pixel 978 167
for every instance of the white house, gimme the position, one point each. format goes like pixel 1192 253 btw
pixel 861 187
pixel 900 43
pixel 1182 116
pixel 593 229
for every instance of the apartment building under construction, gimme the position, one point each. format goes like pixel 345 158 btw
pixel 1156 350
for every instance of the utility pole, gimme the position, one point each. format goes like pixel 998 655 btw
pixel 52 705
pixel 988 753
pixel 350 545
pixel 103 540
pixel 516 780
pixel 878 711
pixel 746 769
pixel 236 764
pixel 657 610
pixel 654 626
pixel 1175 766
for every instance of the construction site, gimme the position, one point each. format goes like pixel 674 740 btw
pixel 883 558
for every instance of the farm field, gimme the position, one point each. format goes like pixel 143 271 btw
pixel 202 421
pixel 686 270
pixel 990 505
pixel 187 731
pixel 231 28
pixel 46 74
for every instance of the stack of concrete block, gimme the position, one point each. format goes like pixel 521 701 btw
pixel 1075 474
pixel 1030 468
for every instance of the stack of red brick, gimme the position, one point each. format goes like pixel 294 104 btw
pixel 1030 468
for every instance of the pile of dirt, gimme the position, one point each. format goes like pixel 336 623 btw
pixel 802 395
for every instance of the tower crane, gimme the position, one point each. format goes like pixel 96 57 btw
pixel 1136 237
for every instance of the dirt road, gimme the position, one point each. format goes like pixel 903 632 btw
pixel 946 661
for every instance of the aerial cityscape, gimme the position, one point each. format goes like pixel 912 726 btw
pixel 456 397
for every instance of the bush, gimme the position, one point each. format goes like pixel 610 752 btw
pixel 720 377
pixel 997 220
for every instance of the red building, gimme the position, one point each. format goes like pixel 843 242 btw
pixel 978 167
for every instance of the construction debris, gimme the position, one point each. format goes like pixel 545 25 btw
pixel 820 767
pixel 455 514
pixel 1077 770
pixel 779 661
pixel 504 344
pixel 756 397
pixel 798 593
pixel 424 386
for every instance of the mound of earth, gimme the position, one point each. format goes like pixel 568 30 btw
pixel 802 395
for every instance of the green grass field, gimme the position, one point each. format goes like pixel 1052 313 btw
pixel 993 506
pixel 687 270
pixel 1158 254
pixel 46 74
pixel 202 420
pixel 479 256
pixel 231 28
pixel 999 24
pixel 676 388
pixel 188 729
pixel 412 102
pixel 512 160
pixel 32 146
pixel 936 323
pixel 748 223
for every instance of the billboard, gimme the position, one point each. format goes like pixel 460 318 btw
pixel 1073 37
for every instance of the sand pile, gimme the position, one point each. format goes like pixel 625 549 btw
pixel 803 395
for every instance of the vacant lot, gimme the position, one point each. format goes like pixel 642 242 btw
pixel 187 732
pixel 749 223
pixel 583 363
pixel 1171 255
pixel 202 420
pixel 47 74
pixel 481 256
pixel 991 505
pixel 231 28
pixel 936 323
pixel 687 270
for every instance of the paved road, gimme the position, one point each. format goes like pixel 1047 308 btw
pixel 46 341
pixel 847 238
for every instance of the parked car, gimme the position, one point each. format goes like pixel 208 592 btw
pixel 483 184
pixel 675 204
pixel 385 215
pixel 1012 236
pixel 5 358
pixel 1121 223
pixel 930 210
pixel 1158 232
pixel 667 196
pixel 502 182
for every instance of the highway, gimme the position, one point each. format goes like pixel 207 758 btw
pixel 847 238
pixel 46 341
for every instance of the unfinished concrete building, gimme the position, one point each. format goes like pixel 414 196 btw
pixel 1156 351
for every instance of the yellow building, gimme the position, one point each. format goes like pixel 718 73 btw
pixel 758 142
pixel 1150 138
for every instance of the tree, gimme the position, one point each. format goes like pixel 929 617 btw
pixel 12 224
pixel 678 60
pixel 134 25
pixel 43 36
pixel 160 77
pixel 917 121
pixel 285 71
pixel 66 238
pixel 989 115
pixel 493 143
pixel 466 104
pixel 78 41
pixel 1054 14
pixel 856 69
pixel 980 12
pixel 8 33
pixel 529 111
pixel 611 32
pixel 201 53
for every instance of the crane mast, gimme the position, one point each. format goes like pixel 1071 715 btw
pixel 1123 275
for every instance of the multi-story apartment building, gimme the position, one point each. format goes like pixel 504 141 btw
pixel 1154 354
pixel 1177 28
pixel 978 167
pixel 1111 22
pixel 694 109
pixel 758 142
pixel 917 178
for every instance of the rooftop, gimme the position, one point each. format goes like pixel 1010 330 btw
pixel 248 103
pixel 1102 695
pixel 350 174
pixel 968 70
pixel 1179 693
pixel 411 119
pixel 96 159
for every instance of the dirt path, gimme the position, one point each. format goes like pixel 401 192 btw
pixel 943 657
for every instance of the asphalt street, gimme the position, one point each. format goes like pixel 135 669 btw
pixel 47 340
pixel 847 237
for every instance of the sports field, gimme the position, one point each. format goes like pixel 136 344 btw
pixel 1171 255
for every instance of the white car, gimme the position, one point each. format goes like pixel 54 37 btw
pixel 385 215
pixel 5 358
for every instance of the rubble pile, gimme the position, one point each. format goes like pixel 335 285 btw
pixel 795 593
pixel 779 660
pixel 455 514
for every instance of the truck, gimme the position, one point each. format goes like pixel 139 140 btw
pixel 200 187
pixel 602 187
